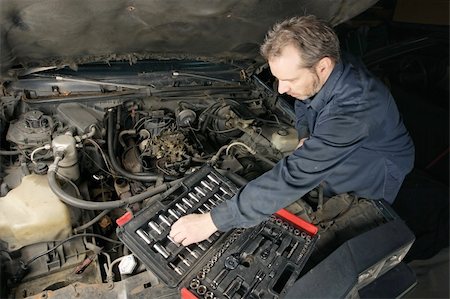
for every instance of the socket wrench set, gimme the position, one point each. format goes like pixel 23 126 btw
pixel 261 261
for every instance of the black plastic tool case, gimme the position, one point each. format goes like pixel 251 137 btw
pixel 258 262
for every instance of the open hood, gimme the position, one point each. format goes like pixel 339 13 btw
pixel 64 32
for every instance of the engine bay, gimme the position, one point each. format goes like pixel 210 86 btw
pixel 70 167
pixel 81 150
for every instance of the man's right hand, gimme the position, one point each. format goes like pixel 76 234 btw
pixel 300 143
pixel 192 228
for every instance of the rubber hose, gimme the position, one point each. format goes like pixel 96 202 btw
pixel 235 178
pixel 9 153
pixel 265 160
pixel 115 164
pixel 90 222
pixel 93 205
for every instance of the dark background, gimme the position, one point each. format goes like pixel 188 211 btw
pixel 406 44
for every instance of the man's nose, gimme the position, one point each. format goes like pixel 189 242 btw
pixel 283 87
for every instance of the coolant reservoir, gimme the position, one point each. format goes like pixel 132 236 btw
pixel 32 213
pixel 284 140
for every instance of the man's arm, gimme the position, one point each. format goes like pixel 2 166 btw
pixel 292 177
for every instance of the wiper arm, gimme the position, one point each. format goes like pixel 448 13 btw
pixel 26 72
pixel 97 82
pixel 176 74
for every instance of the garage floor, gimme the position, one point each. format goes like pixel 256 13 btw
pixel 424 205
pixel 432 276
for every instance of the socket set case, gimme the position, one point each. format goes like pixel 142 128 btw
pixel 258 262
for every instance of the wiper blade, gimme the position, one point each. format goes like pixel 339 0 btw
pixel 98 82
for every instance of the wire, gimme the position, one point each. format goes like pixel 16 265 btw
pixel 94 143
pixel 26 264
pixel 222 131
pixel 276 121
pixel 161 124
pixel 439 157
pixel 110 268
pixel 101 168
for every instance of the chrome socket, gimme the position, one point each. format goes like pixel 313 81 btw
pixel 212 179
pixel 199 191
pixel 201 290
pixel 154 227
pixel 144 235
pixel 161 250
pixel 201 275
pixel 206 185
pixel 195 283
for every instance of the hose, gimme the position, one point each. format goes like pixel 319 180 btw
pixel 90 222
pixel 265 160
pixel 125 132
pixel 87 135
pixel 115 164
pixel 9 153
pixel 45 147
pixel 234 177
pixel 248 148
pixel 27 263
pixel 93 205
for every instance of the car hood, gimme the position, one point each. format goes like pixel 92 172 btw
pixel 65 32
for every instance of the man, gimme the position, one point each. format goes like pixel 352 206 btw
pixel 352 138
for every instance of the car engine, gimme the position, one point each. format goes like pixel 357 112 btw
pixel 73 164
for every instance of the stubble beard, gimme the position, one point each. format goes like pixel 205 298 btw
pixel 316 86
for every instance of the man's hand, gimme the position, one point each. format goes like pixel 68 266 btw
pixel 300 143
pixel 192 228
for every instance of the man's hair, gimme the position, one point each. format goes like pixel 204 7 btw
pixel 314 38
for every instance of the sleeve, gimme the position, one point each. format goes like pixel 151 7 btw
pixel 301 122
pixel 292 177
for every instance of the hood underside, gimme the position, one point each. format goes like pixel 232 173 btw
pixel 64 32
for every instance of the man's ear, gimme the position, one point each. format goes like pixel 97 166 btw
pixel 324 65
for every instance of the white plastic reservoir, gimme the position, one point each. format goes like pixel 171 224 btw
pixel 284 140
pixel 32 213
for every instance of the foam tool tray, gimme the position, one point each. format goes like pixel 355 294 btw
pixel 257 262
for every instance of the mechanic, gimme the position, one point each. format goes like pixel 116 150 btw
pixel 352 138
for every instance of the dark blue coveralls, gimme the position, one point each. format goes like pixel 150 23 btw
pixel 357 143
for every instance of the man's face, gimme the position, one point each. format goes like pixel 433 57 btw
pixel 298 82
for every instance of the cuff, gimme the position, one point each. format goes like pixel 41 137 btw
pixel 223 216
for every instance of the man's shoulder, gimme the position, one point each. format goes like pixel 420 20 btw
pixel 356 75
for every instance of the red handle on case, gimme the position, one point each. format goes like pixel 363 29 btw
pixel 306 226
pixel 186 294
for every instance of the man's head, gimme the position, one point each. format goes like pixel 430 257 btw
pixel 301 52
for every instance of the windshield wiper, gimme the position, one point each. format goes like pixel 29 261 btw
pixel 98 82
pixel 180 74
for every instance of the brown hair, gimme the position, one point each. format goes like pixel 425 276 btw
pixel 314 38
